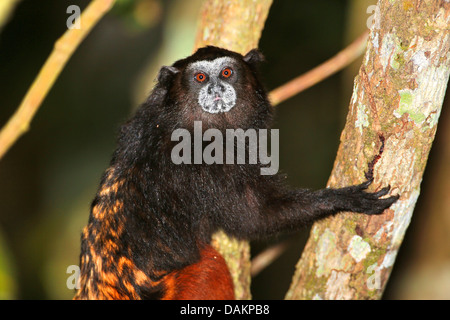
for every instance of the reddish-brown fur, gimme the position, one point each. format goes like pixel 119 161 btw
pixel 207 279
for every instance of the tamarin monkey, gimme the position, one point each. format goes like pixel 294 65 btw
pixel 150 225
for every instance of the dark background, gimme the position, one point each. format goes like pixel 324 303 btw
pixel 50 175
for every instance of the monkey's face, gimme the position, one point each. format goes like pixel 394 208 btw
pixel 212 82
pixel 216 86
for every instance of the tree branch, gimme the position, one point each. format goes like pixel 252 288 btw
pixel 393 118
pixel 265 258
pixel 6 8
pixel 63 50
pixel 321 72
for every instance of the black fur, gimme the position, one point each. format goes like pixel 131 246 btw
pixel 168 210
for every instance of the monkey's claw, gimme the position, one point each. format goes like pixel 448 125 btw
pixel 359 200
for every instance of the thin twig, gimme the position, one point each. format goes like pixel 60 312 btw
pixel 6 8
pixel 319 73
pixel 265 258
pixel 64 47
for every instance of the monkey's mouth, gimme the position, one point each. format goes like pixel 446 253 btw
pixel 217 99
pixel 219 105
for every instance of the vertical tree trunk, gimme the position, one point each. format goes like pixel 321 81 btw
pixel 391 124
pixel 235 25
pixel 426 268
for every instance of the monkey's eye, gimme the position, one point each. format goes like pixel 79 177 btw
pixel 227 72
pixel 200 77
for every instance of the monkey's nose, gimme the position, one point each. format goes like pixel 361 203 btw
pixel 217 89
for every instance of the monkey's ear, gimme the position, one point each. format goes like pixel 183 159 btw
pixel 166 74
pixel 254 57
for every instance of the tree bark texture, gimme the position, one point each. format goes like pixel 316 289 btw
pixel 390 127
pixel 234 25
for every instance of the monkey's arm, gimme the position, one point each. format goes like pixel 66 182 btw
pixel 295 209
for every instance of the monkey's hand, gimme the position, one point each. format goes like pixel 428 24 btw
pixel 356 199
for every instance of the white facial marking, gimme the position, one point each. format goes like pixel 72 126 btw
pixel 216 95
